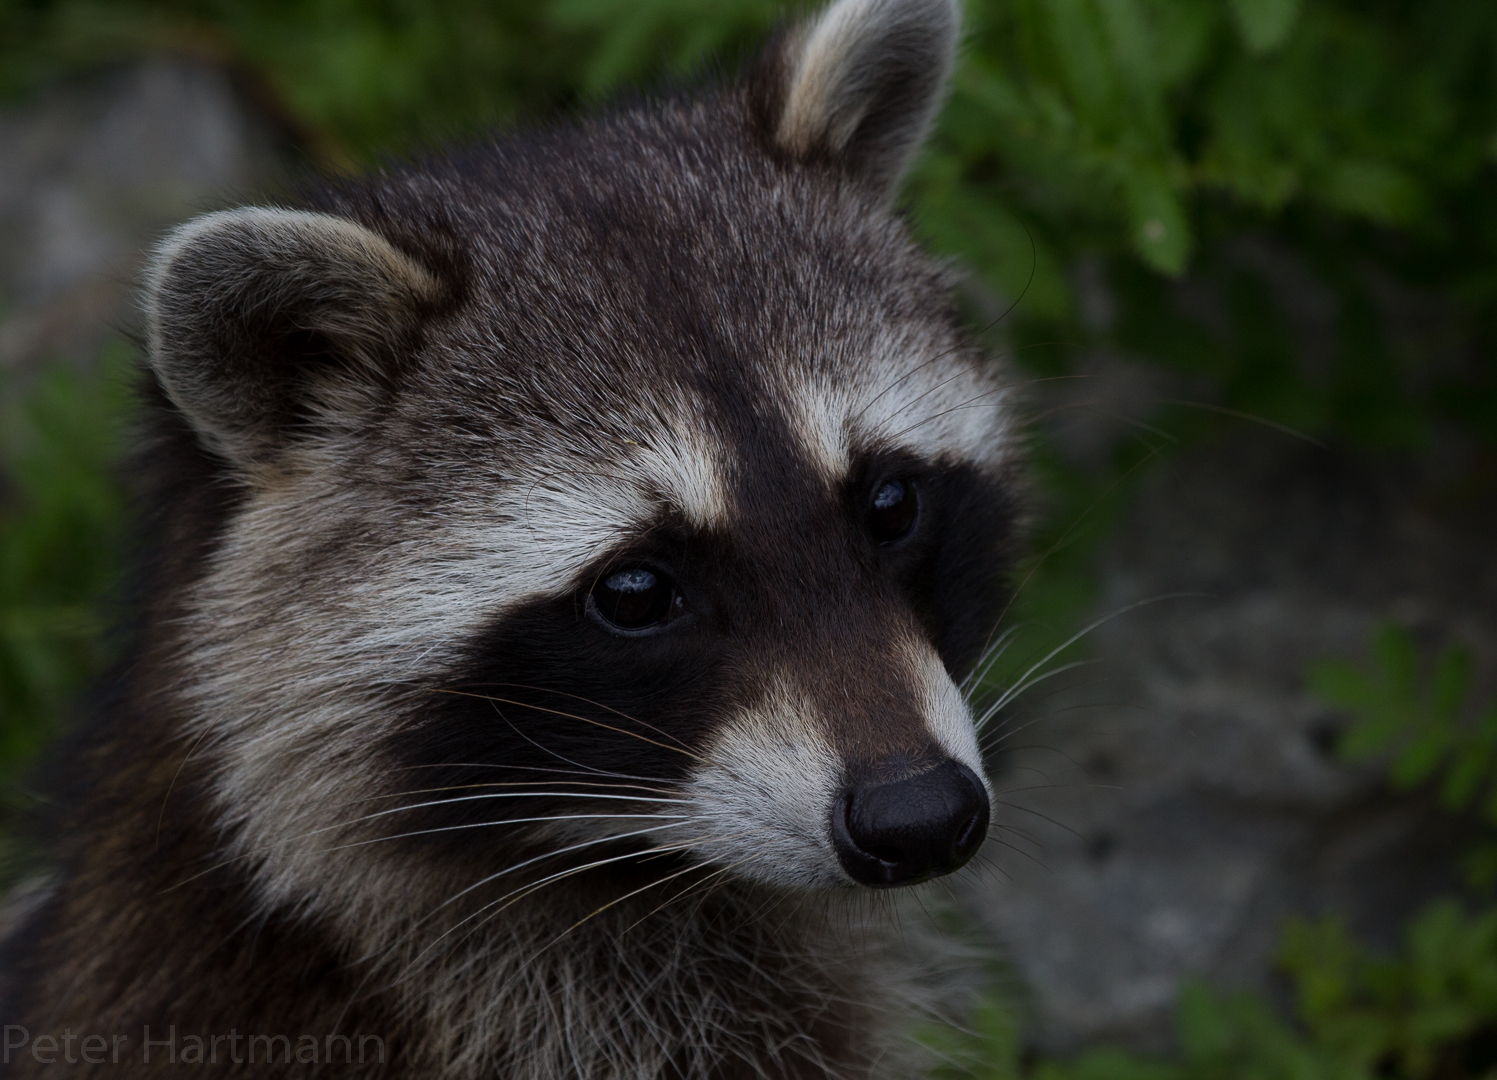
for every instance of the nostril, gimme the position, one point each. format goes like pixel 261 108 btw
pixel 884 853
pixel 969 835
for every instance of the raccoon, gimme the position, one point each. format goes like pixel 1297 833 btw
pixel 565 554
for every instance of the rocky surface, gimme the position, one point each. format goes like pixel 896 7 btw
pixel 1175 804
pixel 92 174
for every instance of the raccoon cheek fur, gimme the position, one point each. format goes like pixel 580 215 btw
pixel 565 556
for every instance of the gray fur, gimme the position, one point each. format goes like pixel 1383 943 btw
pixel 398 434
pixel 225 288
pixel 865 82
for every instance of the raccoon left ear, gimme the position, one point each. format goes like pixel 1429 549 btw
pixel 267 324
pixel 859 85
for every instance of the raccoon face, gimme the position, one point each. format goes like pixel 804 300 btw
pixel 619 497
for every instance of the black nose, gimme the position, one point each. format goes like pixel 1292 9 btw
pixel 909 830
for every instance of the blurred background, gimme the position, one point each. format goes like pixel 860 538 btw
pixel 1241 255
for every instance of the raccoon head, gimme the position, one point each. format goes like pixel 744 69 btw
pixel 623 495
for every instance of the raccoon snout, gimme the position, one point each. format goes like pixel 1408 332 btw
pixel 906 831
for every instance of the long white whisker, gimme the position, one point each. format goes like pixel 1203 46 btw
pixel 573 716
pixel 1013 693
pixel 1087 629
pixel 990 657
pixel 506 821
pixel 520 893
pixel 534 769
pixel 500 795
pixel 516 895
pixel 439 802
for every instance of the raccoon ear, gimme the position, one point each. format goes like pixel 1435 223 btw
pixel 860 84
pixel 265 322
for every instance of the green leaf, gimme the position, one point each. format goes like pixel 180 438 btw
pixel 1161 235
pixel 1467 771
pixel 1376 190
pixel 1398 658
pixel 1344 685
pixel 1417 763
pixel 1452 677
pixel 1109 1063
pixel 1264 24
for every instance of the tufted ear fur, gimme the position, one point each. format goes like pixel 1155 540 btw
pixel 859 85
pixel 263 323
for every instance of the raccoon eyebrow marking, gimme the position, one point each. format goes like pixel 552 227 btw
pixel 975 402
pixel 683 466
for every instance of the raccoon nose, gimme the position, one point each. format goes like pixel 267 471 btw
pixel 909 830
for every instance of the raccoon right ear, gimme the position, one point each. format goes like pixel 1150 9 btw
pixel 263 323
pixel 859 85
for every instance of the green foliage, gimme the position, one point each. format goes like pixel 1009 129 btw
pixel 1419 715
pixel 1356 140
pixel 1420 719
pixel 363 77
pixel 1353 141
pixel 1422 1014
pixel 60 538
pixel 1407 1016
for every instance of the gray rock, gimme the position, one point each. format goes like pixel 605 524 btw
pixel 1172 812
pixel 92 174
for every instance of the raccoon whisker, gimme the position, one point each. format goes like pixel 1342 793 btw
pixel 858 416
pixel 1061 540
pixel 635 892
pixel 949 352
pixel 1087 629
pixel 260 850
pixel 527 783
pixel 161 817
pixel 543 858
pixel 479 884
pixel 1011 829
pixel 1020 851
pixel 533 768
pixel 488 795
pixel 706 891
pixel 506 821
pixel 992 826
pixel 981 866
pixel 1012 694
pixel 918 398
pixel 1051 714
pixel 970 403
pixel 1237 414
pixel 718 872
pixel 571 716
pixel 514 896
pixel 643 795
pixel 595 704
pixel 992 652
pixel 919 898
pixel 527 890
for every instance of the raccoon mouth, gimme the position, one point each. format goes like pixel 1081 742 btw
pixel 908 831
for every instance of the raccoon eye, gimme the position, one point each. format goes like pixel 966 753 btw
pixel 892 513
pixel 636 599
